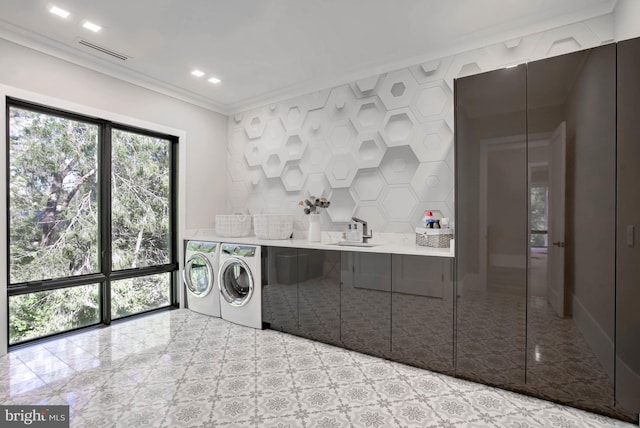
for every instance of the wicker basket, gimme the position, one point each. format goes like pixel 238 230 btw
pixel 233 225
pixel 436 238
pixel 273 226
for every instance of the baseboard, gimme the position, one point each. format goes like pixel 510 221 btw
pixel 597 339
pixel 627 386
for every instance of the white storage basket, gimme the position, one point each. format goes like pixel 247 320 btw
pixel 273 226
pixel 436 238
pixel 233 225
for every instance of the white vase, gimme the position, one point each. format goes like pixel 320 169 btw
pixel 314 227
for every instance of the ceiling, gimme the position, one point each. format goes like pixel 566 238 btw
pixel 269 50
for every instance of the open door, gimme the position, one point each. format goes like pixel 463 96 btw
pixel 557 179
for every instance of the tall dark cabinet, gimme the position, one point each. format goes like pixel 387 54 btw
pixel 628 222
pixel 491 226
pixel 536 211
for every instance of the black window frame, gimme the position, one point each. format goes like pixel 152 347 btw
pixel 105 275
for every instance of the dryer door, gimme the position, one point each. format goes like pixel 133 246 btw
pixel 198 275
pixel 236 282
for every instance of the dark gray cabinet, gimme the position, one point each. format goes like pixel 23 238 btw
pixel 536 227
pixel 280 289
pixel 491 226
pixel 365 302
pixel 422 308
pixel 319 295
pixel 628 225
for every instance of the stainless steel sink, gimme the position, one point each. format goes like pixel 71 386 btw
pixel 354 244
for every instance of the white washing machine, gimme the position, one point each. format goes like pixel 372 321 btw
pixel 240 282
pixel 200 276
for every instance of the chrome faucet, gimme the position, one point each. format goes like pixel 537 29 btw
pixel 365 235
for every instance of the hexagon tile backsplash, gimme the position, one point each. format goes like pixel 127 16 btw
pixel 379 148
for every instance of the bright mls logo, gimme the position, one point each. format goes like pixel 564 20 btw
pixel 34 416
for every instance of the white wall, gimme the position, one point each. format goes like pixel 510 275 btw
pixel 627 19
pixel 37 77
pixel 313 144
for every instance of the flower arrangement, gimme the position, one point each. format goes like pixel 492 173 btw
pixel 312 204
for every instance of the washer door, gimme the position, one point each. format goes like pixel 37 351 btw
pixel 198 275
pixel 235 282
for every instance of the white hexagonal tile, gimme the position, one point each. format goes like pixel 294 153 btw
pixel 341 170
pixel 343 205
pixel 317 124
pixel 294 147
pixel 366 87
pixel 274 194
pixel 432 102
pixel 341 136
pixel 450 159
pixel 603 27
pixel 368 114
pixel 239 192
pixel 273 135
pixel 340 103
pixel 254 125
pixel 373 215
pixel 398 127
pixel 273 165
pixel 399 165
pixel 512 52
pixel 293 177
pixel 432 141
pixel 236 120
pixel 317 185
pixel 468 63
pixel 432 181
pixel 399 203
pixel 431 71
pixel 565 39
pixel 318 99
pixel 256 204
pixel 238 142
pixel 253 153
pixel 256 177
pixel 292 113
pixel 439 210
pixel 316 156
pixel 368 185
pixel 369 149
pixel 238 169
pixel 397 89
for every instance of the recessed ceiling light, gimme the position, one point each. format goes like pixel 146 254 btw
pixel 214 80
pixel 91 26
pixel 197 73
pixel 60 12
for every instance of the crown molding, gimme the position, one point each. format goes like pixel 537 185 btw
pixel 20 36
pixel 487 37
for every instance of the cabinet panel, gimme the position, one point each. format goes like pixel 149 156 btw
pixel 491 225
pixel 280 289
pixel 365 302
pixel 628 222
pixel 319 295
pixel 572 173
pixel 422 312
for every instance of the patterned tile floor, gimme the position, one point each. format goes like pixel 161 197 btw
pixel 182 369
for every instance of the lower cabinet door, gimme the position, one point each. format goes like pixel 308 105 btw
pixel 422 312
pixel 319 295
pixel 365 304
pixel 280 289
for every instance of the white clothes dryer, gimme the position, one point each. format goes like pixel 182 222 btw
pixel 240 282
pixel 200 276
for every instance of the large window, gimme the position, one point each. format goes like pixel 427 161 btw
pixel 92 221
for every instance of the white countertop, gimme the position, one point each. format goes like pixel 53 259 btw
pixel 391 243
